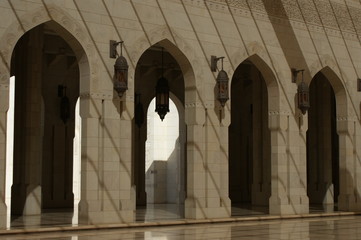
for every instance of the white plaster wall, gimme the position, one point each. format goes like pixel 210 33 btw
pixel 162 156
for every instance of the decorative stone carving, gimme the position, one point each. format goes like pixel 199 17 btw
pixel 318 14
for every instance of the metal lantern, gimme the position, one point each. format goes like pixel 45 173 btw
pixel 303 95
pixel 162 97
pixel 222 81
pixel 120 78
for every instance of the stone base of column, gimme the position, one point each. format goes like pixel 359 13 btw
pixel 32 204
pixel 329 196
pixel 288 205
pixel 106 217
pixel 300 204
pixel 348 202
pixel 196 208
pixel 3 215
pixel 90 213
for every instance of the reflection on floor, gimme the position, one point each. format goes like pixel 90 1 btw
pixel 335 228
pixel 46 219
pixel 251 210
pixel 155 212
pixel 325 208
pixel 151 213
pixel 248 210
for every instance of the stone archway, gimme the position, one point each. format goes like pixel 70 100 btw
pixel 265 174
pixel 322 146
pixel 55 19
pixel 338 182
pixel 46 90
pixel 249 141
pixel 147 73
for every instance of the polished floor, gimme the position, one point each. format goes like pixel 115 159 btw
pixel 334 228
pixel 151 213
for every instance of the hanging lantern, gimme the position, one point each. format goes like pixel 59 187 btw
pixel 162 97
pixel 303 95
pixel 222 83
pixel 120 78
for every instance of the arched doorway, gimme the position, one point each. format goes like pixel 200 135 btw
pixel 155 195
pixel 249 142
pixel 322 146
pixel 46 90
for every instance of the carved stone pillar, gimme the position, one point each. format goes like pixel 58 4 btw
pixel 207 164
pixel 349 198
pixel 288 196
pixel 106 192
pixel 195 203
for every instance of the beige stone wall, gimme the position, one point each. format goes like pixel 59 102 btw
pixel 315 35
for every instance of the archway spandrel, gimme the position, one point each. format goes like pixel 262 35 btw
pixel 181 50
pixel 39 16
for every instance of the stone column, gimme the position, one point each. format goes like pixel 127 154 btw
pixel 4 105
pixel 140 136
pixel 299 194
pixel 225 201
pixel 106 192
pixel 207 164
pixel 297 163
pixel 286 195
pixel 195 203
pixel 348 199
pixel 279 200
pixel 288 168
pixel 127 194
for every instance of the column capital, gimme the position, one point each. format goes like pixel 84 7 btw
pixel 278 120
pixel 195 113
pixel 345 124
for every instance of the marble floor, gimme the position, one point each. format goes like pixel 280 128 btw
pixel 151 213
pixel 335 228
pixel 159 212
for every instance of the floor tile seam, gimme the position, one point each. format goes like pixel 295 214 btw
pixel 173 223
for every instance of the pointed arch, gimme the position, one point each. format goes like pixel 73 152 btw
pixel 270 79
pixel 338 88
pixel 181 50
pixel 63 24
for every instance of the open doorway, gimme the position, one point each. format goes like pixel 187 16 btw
pixel 163 165
pixel 46 90
pixel 159 146
pixel 249 143
pixel 322 147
